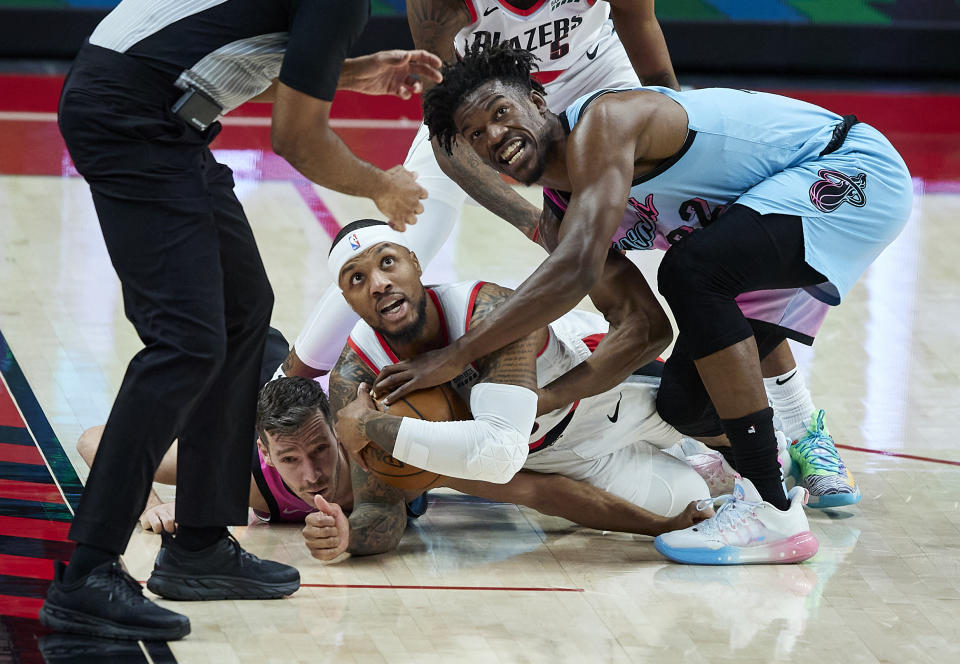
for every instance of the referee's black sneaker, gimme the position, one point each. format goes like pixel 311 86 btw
pixel 223 570
pixel 108 602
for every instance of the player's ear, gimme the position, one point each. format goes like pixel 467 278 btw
pixel 416 264
pixel 539 101
pixel 264 452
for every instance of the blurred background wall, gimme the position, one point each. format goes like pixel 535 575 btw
pixel 904 39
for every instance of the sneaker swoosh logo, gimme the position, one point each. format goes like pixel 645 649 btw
pixel 781 382
pixel 592 54
pixel 489 10
pixel 616 411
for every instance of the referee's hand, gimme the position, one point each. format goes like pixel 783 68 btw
pixel 396 72
pixel 400 200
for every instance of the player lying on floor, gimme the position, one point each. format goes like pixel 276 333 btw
pixel 611 440
pixel 301 474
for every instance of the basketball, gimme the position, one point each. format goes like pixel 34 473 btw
pixel 436 404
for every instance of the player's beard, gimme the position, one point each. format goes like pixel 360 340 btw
pixel 539 166
pixel 414 328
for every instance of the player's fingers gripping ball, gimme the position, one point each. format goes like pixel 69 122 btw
pixel 435 404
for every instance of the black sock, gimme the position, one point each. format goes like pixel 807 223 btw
pixel 84 558
pixel 194 539
pixel 754 447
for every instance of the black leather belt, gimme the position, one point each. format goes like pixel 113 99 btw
pixel 839 134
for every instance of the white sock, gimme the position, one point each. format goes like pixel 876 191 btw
pixel 791 401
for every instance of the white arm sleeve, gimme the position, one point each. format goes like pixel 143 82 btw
pixel 491 447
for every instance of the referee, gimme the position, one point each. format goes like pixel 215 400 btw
pixel 138 111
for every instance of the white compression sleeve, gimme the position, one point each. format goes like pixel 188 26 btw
pixel 326 331
pixel 492 447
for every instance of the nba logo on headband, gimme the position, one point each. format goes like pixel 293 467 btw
pixel 354 242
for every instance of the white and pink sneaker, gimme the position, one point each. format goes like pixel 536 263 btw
pixel 744 530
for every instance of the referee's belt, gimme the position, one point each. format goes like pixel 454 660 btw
pixel 839 134
pixel 554 434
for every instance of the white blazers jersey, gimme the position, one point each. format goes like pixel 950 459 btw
pixel 570 341
pixel 559 32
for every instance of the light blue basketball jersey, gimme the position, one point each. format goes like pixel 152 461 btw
pixel 764 151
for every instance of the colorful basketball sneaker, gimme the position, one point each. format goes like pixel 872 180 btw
pixel 818 468
pixel 744 530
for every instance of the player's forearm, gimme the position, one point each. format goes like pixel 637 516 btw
pixel 376 528
pixel 589 506
pixel 619 354
pixel 580 502
pixel 152 500
pixel 556 287
pixel 644 42
pixel 380 428
pixel 488 189
pixel 322 157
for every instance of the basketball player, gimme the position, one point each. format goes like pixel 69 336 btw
pixel 609 440
pixel 579 52
pixel 811 198
pixel 300 474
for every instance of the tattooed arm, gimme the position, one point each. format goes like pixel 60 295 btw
pixel 379 517
pixel 434 24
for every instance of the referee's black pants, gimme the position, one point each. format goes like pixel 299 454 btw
pixel 194 288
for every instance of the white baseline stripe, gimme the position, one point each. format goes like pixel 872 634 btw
pixel 342 123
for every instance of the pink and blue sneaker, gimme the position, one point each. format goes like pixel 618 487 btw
pixel 744 530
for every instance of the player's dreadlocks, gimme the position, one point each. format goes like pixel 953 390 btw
pixel 478 65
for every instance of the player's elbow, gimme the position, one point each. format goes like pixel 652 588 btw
pixel 650 334
pixel 501 456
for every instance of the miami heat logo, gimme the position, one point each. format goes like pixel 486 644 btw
pixel 644 230
pixel 835 188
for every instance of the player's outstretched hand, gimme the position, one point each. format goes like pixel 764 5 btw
pixel 400 200
pixel 327 531
pixel 691 515
pixel 397 72
pixel 398 380
pixel 159 518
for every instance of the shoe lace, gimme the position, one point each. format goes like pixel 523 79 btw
pixel 818 448
pixel 241 554
pixel 729 516
pixel 126 586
